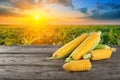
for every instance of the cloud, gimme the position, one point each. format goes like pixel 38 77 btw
pixel 111 15
pixel 64 11
pixel 112 5
pixel 63 2
pixel 108 10
pixel 15 7
pixel 108 5
pixel 83 10
pixel 31 4
pixel 7 12
pixel 22 4
pixel 3 1
pixel 93 12
pixel 106 15
pixel 26 7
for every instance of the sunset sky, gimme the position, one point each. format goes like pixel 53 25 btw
pixel 60 11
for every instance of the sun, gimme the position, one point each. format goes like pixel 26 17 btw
pixel 37 20
pixel 36 17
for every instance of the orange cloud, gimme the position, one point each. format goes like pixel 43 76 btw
pixel 64 2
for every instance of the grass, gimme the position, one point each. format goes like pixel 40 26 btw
pixel 56 35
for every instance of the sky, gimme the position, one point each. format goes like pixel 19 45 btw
pixel 60 11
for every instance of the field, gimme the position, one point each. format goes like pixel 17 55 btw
pixel 55 35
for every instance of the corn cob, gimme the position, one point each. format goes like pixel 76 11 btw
pixel 85 47
pixel 99 46
pixel 80 65
pixel 102 46
pixel 69 47
pixel 100 54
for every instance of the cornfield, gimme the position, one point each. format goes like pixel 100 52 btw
pixel 55 35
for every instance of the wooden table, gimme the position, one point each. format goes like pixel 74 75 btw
pixel 30 63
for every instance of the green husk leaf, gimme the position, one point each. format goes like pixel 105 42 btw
pixel 102 46
pixel 68 59
pixel 51 58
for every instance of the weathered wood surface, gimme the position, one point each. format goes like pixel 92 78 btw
pixel 30 63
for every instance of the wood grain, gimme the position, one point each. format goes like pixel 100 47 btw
pixel 30 63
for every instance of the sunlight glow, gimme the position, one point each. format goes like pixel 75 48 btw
pixel 37 17
pixel 37 20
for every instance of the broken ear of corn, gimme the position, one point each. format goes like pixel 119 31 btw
pixel 100 54
pixel 86 46
pixel 99 46
pixel 80 65
pixel 69 47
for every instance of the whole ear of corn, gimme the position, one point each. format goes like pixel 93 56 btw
pixel 69 47
pixel 86 46
pixel 102 54
pixel 80 65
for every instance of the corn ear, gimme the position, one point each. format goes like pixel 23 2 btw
pixel 80 65
pixel 102 46
pixel 99 46
pixel 69 47
pixel 86 46
pixel 102 54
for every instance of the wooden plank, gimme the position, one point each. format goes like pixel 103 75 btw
pixel 28 61
pixel 21 65
pixel 41 58
pixel 28 49
pixel 38 60
pixel 56 72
